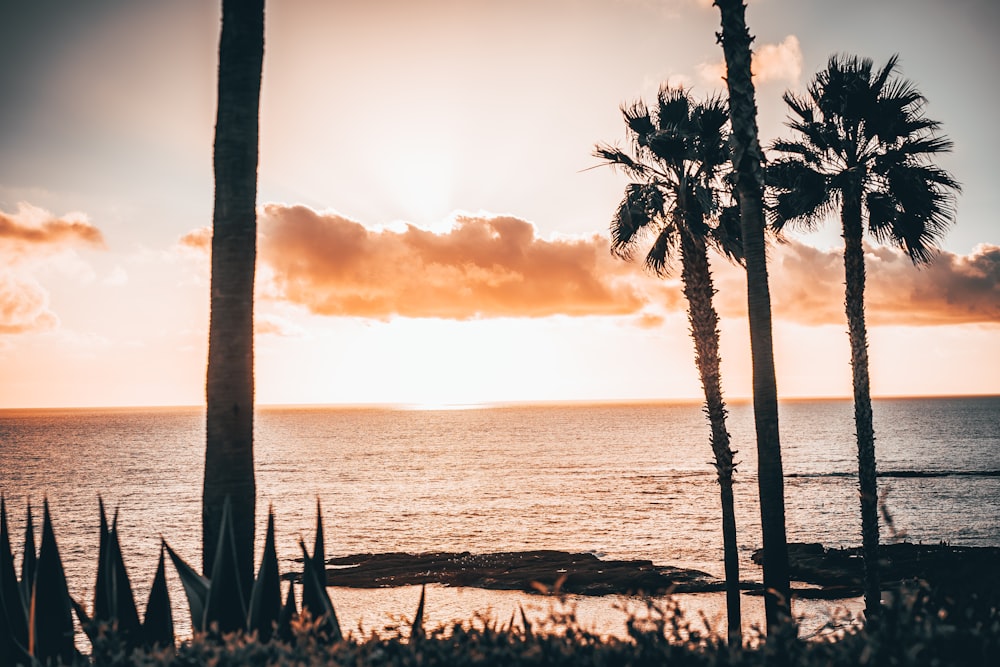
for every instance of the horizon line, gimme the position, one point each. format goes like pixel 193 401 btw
pixel 409 406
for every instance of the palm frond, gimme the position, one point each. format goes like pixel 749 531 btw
pixel 616 158
pixel 727 235
pixel 914 209
pixel 882 76
pixel 798 194
pixel 673 108
pixel 664 249
pixel 639 122
pixel 806 151
pixel 800 106
pixel 639 210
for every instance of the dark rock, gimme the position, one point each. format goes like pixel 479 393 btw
pixel 530 571
pixel 951 569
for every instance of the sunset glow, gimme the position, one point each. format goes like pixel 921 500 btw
pixel 432 232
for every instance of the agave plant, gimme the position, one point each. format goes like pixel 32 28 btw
pixel 217 605
pixel 36 629
pixel 114 617
pixel 13 610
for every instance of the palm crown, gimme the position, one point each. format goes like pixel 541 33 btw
pixel 863 136
pixel 679 157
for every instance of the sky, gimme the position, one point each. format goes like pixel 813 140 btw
pixel 432 222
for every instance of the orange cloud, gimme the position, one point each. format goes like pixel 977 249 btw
pixel 198 239
pixel 807 286
pixel 25 235
pixel 275 326
pixel 484 266
pixel 771 62
pixel 496 266
pixel 24 306
pixel 31 228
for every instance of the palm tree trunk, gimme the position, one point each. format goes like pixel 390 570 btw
pixel 748 160
pixel 230 387
pixel 696 276
pixel 854 270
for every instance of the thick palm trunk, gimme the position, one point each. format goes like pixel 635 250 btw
pixel 748 162
pixel 854 270
pixel 230 387
pixel 698 289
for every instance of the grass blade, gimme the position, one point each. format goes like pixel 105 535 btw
pixel 418 633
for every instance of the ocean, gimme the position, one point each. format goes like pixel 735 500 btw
pixel 631 481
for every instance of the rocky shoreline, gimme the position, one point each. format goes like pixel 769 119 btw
pixel 817 572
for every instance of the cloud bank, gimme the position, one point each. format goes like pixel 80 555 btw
pixel 484 266
pixel 26 235
pixel 31 229
pixel 488 266
pixel 807 287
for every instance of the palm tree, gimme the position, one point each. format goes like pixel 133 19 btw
pixel 863 144
pixel 229 387
pixel 748 167
pixel 680 151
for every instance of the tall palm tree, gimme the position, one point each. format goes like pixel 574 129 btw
pixel 679 155
pixel 748 166
pixel 230 387
pixel 863 144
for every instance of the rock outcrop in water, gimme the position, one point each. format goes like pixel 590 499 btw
pixel 827 573
pixel 531 571
pixel 840 572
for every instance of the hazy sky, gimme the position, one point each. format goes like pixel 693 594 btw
pixel 431 228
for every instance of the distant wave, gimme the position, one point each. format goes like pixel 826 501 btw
pixel 904 473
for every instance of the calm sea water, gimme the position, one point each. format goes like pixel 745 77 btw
pixel 621 481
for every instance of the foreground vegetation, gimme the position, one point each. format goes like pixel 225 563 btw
pixel 915 630
pixel 919 626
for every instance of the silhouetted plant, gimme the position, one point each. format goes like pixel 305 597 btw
pixel 863 145
pixel 679 159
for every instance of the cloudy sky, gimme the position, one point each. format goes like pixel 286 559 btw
pixel 431 228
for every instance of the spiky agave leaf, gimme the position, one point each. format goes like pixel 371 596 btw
pixel 158 623
pixel 225 608
pixel 50 621
pixel 316 599
pixel 123 608
pixel 417 632
pixel 102 587
pixel 265 598
pixel 13 615
pixel 319 546
pixel 87 622
pixel 288 613
pixel 29 559
pixel 195 588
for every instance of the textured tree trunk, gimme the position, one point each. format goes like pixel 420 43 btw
pixel 748 160
pixel 230 386
pixel 854 271
pixel 698 289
